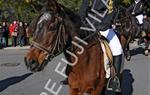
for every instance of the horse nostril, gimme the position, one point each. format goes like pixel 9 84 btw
pixel 32 61
pixel 29 62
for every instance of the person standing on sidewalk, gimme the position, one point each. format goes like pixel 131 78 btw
pixel 13 31
pixel 5 33
pixel 1 37
pixel 21 34
pixel 27 34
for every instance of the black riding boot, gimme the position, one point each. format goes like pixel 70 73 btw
pixel 68 70
pixel 114 83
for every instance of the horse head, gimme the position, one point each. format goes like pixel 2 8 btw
pixel 122 19
pixel 49 36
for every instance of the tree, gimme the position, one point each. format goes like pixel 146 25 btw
pixel 16 10
pixel 74 5
pixel 26 10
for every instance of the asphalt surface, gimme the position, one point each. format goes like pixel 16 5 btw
pixel 15 79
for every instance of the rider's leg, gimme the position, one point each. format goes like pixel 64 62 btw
pixel 141 23
pixel 142 34
pixel 117 52
pixel 68 70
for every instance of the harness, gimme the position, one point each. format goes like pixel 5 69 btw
pixel 51 53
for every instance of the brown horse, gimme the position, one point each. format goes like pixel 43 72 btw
pixel 128 30
pixel 53 31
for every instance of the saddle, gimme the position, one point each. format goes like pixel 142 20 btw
pixel 109 68
pixel 108 57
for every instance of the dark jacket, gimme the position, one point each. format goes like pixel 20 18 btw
pixel 137 8
pixel 21 30
pixel 107 20
pixel 1 32
pixel 100 7
pixel 5 31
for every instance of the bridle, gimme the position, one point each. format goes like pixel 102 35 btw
pixel 51 53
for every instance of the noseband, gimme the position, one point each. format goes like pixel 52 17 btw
pixel 51 53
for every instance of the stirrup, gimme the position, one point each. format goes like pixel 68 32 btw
pixel 113 84
pixel 64 82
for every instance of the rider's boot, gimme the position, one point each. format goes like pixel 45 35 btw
pixel 142 34
pixel 114 83
pixel 68 70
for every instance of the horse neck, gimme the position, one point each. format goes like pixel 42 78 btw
pixel 72 27
pixel 92 56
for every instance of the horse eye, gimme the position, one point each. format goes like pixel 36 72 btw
pixel 31 46
pixel 41 24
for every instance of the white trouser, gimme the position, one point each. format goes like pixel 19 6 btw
pixel 114 42
pixel 140 18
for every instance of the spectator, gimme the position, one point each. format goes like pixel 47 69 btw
pixel 27 34
pixel 13 32
pixel 1 38
pixel 5 33
pixel 11 29
pixel 21 34
pixel 16 26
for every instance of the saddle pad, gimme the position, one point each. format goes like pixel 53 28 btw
pixel 108 58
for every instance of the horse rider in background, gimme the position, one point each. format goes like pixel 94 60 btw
pixel 138 12
pixel 107 31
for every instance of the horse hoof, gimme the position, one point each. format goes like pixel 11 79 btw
pixel 128 58
pixel 146 52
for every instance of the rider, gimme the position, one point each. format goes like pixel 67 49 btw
pixel 106 30
pixel 137 10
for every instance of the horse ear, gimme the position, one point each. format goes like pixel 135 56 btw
pixel 52 5
pixel 37 6
pixel 45 5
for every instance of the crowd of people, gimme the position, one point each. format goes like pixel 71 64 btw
pixel 16 31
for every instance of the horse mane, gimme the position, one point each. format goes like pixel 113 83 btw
pixel 75 18
pixel 72 19
pixel 76 22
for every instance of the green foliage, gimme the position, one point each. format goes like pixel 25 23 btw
pixel 23 10
pixel 71 4
pixel 127 2
pixel 15 10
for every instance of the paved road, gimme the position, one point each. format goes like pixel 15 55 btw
pixel 15 79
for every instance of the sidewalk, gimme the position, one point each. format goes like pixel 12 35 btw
pixel 17 47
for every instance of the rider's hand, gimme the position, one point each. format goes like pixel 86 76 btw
pixel 113 26
pixel 145 16
pixel 133 13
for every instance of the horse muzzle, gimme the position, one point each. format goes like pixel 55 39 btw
pixel 34 66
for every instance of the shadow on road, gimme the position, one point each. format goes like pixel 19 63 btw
pixel 136 51
pixel 127 81
pixel 4 84
pixel 127 87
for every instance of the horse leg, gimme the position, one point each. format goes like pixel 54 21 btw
pixel 128 55
pixel 74 92
pixel 100 86
pixel 146 52
pixel 126 47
